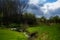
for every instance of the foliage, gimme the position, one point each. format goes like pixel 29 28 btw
pixel 29 18
pixel 12 10
pixel 13 25
pixel 55 19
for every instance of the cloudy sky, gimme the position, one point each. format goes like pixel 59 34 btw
pixel 45 8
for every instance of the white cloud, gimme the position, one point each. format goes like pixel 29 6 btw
pixel 33 2
pixel 50 6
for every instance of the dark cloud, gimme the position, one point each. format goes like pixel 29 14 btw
pixel 34 9
pixel 55 12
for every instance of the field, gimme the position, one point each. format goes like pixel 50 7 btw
pixel 53 32
pixel 45 32
pixel 6 34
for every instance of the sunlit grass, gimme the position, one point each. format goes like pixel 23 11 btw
pixel 49 32
pixel 11 35
pixel 52 31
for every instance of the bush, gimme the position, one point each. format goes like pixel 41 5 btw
pixel 14 25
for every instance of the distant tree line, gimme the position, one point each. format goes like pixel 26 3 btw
pixel 52 19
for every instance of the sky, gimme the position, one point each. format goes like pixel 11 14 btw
pixel 45 8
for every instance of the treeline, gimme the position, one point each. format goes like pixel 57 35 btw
pixel 27 19
pixel 52 19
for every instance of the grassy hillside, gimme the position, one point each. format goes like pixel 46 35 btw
pixel 6 34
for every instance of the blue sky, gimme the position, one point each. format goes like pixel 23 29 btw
pixel 45 8
pixel 51 1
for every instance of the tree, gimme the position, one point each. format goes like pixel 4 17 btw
pixel 55 19
pixel 1 5
pixel 29 18
pixel 43 19
pixel 12 10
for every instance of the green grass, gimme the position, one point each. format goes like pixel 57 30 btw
pixel 6 34
pixel 52 31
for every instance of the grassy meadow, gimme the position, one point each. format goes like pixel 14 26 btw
pixel 6 34
pixel 45 32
